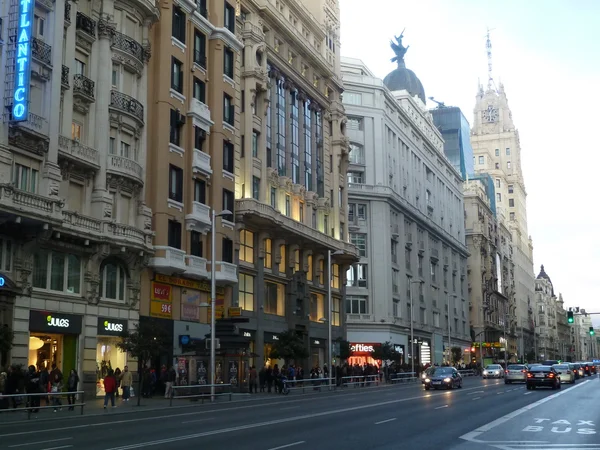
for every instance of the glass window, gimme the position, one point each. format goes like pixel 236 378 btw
pixel 228 109
pixel 357 154
pixel 175 183
pixel 177 75
pixel 336 306
pixel 200 49
pixel 113 280
pixel 199 90
pixel 356 304
pixel 228 62
pixel 360 240
pixel 274 298
pixel 178 27
pixel 309 272
pixel 247 246
pixel 64 270
pixel 254 144
pixel 356 276
pixel 25 178
pixel 335 276
pixel 255 188
pixel 196 244
pixel 246 296
pixel 268 254
pixel 282 263
pixel 174 234
pixel 481 160
pixel 317 307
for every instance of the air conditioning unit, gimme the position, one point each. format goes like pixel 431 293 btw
pixel 217 344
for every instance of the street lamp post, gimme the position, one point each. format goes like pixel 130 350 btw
pixel 213 300
pixel 330 316
pixel 412 336
pixel 449 339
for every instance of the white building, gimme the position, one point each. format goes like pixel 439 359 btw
pixel 406 217
pixel 74 230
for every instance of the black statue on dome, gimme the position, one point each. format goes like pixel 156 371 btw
pixel 398 48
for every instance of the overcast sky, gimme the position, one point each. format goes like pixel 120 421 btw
pixel 546 54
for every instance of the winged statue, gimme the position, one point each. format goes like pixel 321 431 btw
pixel 398 48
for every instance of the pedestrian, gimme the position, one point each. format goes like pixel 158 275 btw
pixel 72 383
pixel 33 387
pixel 262 378
pixel 170 381
pixel 118 378
pixel 56 386
pixel 110 386
pixel 126 383
pixel 253 379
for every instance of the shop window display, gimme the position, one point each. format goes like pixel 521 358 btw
pixel 108 357
pixel 45 350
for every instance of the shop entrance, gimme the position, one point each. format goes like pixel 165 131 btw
pixel 47 349
pixel 108 357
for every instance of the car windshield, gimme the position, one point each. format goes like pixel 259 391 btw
pixel 515 367
pixel 442 371
pixel 493 367
pixel 540 368
pixel 561 367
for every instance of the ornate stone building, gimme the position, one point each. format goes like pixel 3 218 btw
pixel 546 305
pixel 75 231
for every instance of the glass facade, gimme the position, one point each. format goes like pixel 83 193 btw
pixel 490 189
pixel 456 132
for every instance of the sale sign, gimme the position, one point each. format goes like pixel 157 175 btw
pixel 161 292
pixel 161 309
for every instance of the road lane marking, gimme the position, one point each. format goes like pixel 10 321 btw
pixel 385 421
pixel 501 392
pixel 440 407
pixel 476 392
pixel 212 411
pixel 472 435
pixel 198 420
pixel 288 445
pixel 40 442
pixel 527 393
pixel 56 448
pixel 476 398
pixel 288 408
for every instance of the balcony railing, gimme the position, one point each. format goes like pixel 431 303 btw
pixel 125 166
pixel 68 12
pixel 128 45
pixel 78 151
pixel 201 162
pixel 200 58
pixel 64 76
pixel 27 203
pixel 168 260
pixel 41 51
pixel 86 24
pixel 201 113
pixel 199 220
pixel 83 86
pixel 116 232
pixel 127 104
pixel 196 267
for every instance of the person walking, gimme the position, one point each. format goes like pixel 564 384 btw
pixel 110 386
pixel 171 378
pixel 126 383
pixel 72 383
pixel 253 380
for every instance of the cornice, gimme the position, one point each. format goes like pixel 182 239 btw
pixel 223 34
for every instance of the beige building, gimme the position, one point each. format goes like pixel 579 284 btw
pixel 491 276
pixel 546 304
pixel 497 152
pixel 75 227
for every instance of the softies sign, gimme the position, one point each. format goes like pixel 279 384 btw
pixel 363 349
pixel 111 327
pixel 52 322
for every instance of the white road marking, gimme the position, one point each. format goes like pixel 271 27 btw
pixel 527 393
pixel 288 408
pixel 472 436
pixel 288 445
pixel 476 398
pixel 440 407
pixel 501 392
pixel 198 420
pixel 476 392
pixel 385 421
pixel 40 442
pixel 56 448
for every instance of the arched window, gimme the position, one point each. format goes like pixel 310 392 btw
pixel 113 280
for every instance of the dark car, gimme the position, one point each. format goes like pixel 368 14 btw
pixel 539 376
pixel 443 378
pixel 426 374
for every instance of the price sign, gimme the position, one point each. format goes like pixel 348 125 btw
pixel 161 309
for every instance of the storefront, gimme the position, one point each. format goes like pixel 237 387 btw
pixel 251 336
pixel 53 339
pixel 269 339
pixel 399 350
pixel 108 355
pixel 317 353
pixel 362 354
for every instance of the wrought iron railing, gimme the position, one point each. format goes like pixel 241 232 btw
pixel 83 85
pixel 128 45
pixel 201 8
pixel 64 76
pixel 85 24
pixel 68 12
pixel 127 104
pixel 41 51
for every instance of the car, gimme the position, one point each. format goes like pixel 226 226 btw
pixel 580 370
pixel 539 376
pixel 565 373
pixel 426 373
pixel 574 368
pixel 493 371
pixel 515 372
pixel 443 378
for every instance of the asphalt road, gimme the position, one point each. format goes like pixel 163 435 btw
pixel 484 414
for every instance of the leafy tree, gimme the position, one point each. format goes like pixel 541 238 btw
pixel 530 356
pixel 147 341
pixel 290 346
pixel 345 351
pixel 6 343
pixel 456 354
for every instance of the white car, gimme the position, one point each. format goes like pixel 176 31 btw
pixel 493 371
pixel 515 372
pixel 565 373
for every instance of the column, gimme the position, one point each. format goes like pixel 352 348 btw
pixel 69 56
pixel 259 342
pixel 101 199
pixel 248 127
pixel 143 97
pixel 262 101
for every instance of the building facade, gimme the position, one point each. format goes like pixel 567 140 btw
pixel 490 275
pixel 456 131
pixel 406 218
pixel 75 230
pixel 497 152
pixel 546 305
pixel 290 184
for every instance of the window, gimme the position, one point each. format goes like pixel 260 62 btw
pixel 273 197
pixel 280 120
pixel 113 280
pixel 79 67
pixel 199 138
pixel 356 177
pixel 356 276
pixel 481 160
pixel 317 310
pixel 357 154
pixel 512 216
pixel 200 191
pixel 76 129
pixel 39 23
pixel 175 183
pixel 433 271
pixel 246 296
pixel 282 263
pixel 497 182
pixel 499 197
pixel 497 165
pixel 64 270
pixel 176 75
pixel 307 145
pixel 178 30
pixel 322 272
pixel 511 202
pixel 200 49
pixel 508 164
pixel 356 304
pixel 497 152
pixel 335 276
pixel 360 240
pixel 228 61
pixel 511 189
pixel 125 150
pixel 227 250
pixel 199 90
pixel 254 144
pixel 175 125
pixel 115 76
pixel 255 188
pixel 25 178
pixel 508 152
pixel 310 269
pixel 247 246
pixel 228 157
pixel 228 205
pixel 268 254
pixel 229 17
pixel 6 255
pixel 294 137
pixel 274 298
pixel 112 145
pixel 174 231
pixel 196 244
pixel 228 109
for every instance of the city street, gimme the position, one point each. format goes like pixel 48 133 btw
pixel 483 414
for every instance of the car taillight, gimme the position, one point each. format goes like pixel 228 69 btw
pixel 506 371
pixel 529 375
pixel 550 375
pixel 524 371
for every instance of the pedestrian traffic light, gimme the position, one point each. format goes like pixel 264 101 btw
pixel 592 331
pixel 570 316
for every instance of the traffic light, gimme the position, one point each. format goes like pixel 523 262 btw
pixel 570 316
pixel 592 332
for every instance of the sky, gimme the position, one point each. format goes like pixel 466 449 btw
pixel 546 54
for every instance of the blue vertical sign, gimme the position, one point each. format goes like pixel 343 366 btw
pixel 20 110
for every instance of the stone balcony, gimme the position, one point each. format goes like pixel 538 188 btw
pixel 199 220
pixel 225 273
pixel 200 114
pixel 264 217
pixel 168 260
pixel 125 167
pixel 78 153
pixel 29 206
pixel 196 268
pixel 201 163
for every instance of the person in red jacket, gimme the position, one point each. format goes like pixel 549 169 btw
pixel 110 387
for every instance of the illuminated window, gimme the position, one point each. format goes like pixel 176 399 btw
pixel 321 272
pixel 335 311
pixel 246 297
pixel 274 298
pixel 309 273
pixel 282 262
pixel 335 276
pixel 76 131
pixel 296 261
pixel 268 254
pixel 316 307
pixel 247 246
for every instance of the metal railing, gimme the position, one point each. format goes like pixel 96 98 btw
pixel 128 45
pixel 197 392
pixel 468 373
pixel 403 377
pixel 127 104
pixel 41 51
pixel 25 401
pixel 360 380
pixel 84 86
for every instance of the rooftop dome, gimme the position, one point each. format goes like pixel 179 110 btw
pixel 402 78
pixel 544 276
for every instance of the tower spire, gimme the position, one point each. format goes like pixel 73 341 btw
pixel 488 47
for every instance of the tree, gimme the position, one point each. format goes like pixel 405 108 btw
pixel 456 354
pixel 6 343
pixel 530 356
pixel 146 342
pixel 290 346
pixel 344 349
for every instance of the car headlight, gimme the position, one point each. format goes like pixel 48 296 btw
pixel 496 372
pixel 427 380
pixel 485 372
pixel 446 380
pixel 423 376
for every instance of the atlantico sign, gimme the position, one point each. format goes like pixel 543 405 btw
pixel 20 109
